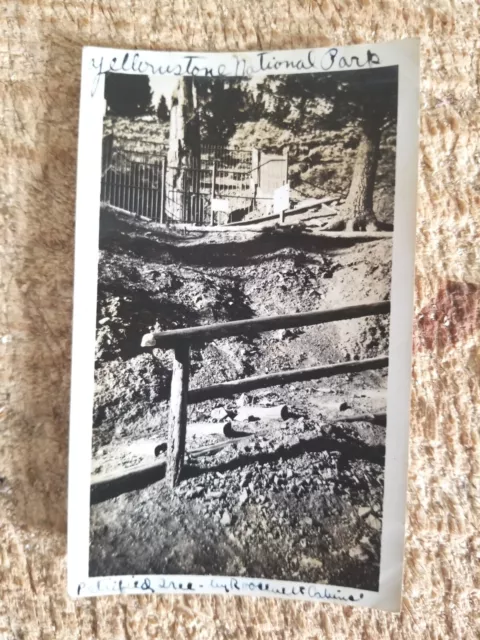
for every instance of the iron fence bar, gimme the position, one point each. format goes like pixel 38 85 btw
pixel 137 189
pixel 214 169
pixel 115 188
pixel 154 192
pixel 150 192
pixel 122 185
pixel 157 194
pixel 163 192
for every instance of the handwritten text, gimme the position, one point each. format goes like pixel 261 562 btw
pixel 240 66
pixel 155 584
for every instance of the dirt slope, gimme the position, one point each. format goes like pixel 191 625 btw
pixel 322 481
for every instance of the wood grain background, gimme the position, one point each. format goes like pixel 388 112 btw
pixel 40 48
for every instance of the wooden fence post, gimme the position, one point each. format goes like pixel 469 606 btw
pixel 214 177
pixel 177 423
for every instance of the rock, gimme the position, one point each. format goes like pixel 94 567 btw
pixel 242 401
pixel 243 497
pixel 289 473
pixel 377 508
pixel 215 495
pixel 103 320
pixel 373 522
pixel 343 406
pixel 219 413
pixel 308 521
pixel 357 552
pixel 363 511
pixel 226 519
pixel 245 481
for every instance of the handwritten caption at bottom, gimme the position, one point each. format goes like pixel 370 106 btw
pixel 137 585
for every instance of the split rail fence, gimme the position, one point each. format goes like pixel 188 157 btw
pixel 180 341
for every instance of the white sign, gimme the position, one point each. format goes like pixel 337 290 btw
pixel 281 199
pixel 220 205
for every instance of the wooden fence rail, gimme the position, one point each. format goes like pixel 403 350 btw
pixel 112 484
pixel 207 333
pixel 225 389
pixel 180 340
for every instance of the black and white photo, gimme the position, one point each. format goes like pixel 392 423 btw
pixel 248 365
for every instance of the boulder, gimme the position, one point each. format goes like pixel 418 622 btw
pixel 226 519
pixel 243 497
pixel 373 522
pixel 242 401
pixel 219 413
pixel 357 553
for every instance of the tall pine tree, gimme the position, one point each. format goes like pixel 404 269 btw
pixel 127 95
pixel 367 98
pixel 163 112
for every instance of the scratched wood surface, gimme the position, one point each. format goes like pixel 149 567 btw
pixel 40 44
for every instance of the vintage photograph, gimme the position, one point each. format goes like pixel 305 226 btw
pixel 243 326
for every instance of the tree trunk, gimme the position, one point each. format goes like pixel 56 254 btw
pixel 183 151
pixel 357 214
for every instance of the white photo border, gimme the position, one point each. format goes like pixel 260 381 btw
pixel 96 61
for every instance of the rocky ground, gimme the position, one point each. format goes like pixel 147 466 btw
pixel 295 498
